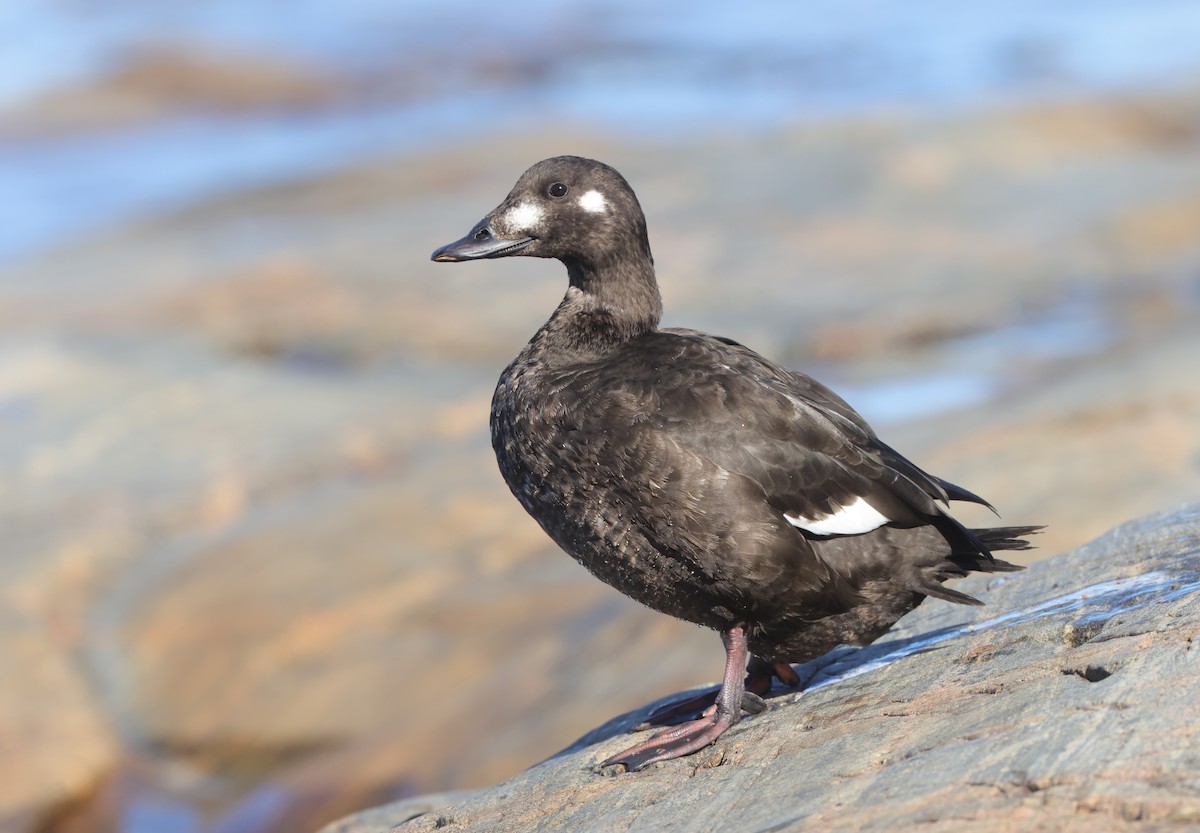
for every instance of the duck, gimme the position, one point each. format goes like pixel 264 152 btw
pixel 698 477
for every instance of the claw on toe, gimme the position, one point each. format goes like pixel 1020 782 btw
pixel 752 703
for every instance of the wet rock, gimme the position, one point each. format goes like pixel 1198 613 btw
pixel 57 744
pixel 304 632
pixel 1064 704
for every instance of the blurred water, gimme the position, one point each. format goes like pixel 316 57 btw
pixel 159 815
pixel 449 66
pixel 975 368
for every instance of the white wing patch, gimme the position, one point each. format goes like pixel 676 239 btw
pixel 525 217
pixel 594 202
pixel 851 519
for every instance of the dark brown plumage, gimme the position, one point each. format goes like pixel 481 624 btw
pixel 692 474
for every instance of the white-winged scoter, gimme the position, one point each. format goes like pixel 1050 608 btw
pixel 697 477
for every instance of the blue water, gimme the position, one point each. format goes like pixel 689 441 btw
pixel 420 72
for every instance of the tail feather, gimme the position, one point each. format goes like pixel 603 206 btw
pixel 969 543
pixel 1010 538
pixel 937 591
pixel 959 563
pixel 956 492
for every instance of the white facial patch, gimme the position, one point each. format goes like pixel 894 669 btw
pixel 852 519
pixel 594 202
pixel 525 217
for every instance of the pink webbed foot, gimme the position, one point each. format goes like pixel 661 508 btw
pixel 675 742
pixel 720 710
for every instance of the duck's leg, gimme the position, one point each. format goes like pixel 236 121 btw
pixel 759 677
pixel 697 734
pixel 781 670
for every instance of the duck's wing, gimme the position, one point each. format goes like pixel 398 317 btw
pixel 816 461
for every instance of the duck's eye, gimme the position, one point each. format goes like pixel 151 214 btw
pixel 558 189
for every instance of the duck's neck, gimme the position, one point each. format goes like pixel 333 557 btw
pixel 607 303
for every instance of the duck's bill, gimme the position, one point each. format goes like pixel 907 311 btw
pixel 480 243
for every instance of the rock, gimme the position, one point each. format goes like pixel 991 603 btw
pixel 57 744
pixel 1067 703
pixel 386 816
pixel 304 634
pixel 164 80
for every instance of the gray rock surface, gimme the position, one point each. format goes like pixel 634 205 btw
pixel 1067 703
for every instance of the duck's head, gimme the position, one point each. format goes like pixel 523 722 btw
pixel 577 210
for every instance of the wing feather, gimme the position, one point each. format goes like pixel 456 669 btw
pixel 811 454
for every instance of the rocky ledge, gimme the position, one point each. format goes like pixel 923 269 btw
pixel 1067 703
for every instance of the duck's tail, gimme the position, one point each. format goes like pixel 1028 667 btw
pixel 959 564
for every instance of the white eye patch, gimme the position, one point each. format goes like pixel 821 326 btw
pixel 594 202
pixel 525 217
